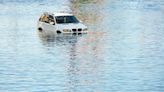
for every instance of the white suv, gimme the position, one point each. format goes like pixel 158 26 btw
pixel 60 23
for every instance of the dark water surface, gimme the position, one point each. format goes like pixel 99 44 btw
pixel 123 52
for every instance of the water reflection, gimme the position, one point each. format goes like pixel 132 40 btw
pixel 82 72
pixel 90 12
pixel 123 50
pixel 84 64
pixel 64 39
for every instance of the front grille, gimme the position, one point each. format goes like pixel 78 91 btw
pixel 79 29
pixel 74 30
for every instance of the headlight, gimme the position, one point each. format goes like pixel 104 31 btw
pixel 85 29
pixel 66 30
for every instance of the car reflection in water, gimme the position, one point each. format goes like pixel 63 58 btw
pixel 80 71
pixel 84 68
pixel 69 42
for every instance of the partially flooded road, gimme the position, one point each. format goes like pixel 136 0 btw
pixel 123 51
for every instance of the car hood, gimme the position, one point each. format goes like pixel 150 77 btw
pixel 71 26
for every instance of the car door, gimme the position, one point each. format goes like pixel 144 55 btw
pixel 48 23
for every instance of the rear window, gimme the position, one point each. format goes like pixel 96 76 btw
pixel 66 19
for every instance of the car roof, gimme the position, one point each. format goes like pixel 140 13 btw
pixel 62 14
pixel 58 14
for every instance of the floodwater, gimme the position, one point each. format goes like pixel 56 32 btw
pixel 123 51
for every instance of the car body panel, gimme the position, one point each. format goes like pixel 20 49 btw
pixel 53 28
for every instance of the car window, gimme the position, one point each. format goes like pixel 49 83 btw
pixel 47 19
pixel 66 19
pixel 44 18
pixel 51 19
pixel 41 18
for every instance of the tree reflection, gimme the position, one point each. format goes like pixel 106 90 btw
pixel 88 10
pixel 85 69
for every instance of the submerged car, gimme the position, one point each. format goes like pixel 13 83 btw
pixel 60 23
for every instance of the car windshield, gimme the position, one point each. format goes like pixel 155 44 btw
pixel 66 19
